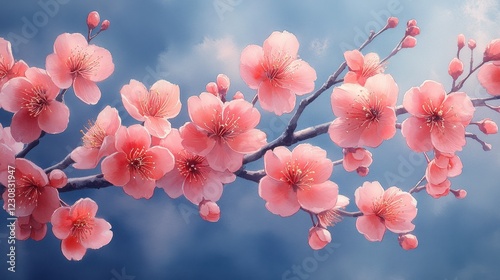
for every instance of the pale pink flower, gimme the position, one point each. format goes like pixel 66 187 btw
pixel 27 227
pixel 355 158
pixel 442 167
pixel 276 72
pixel 297 179
pixel 408 241
pixel 136 165
pixel 8 67
pixel 98 140
pixel 456 68
pixel 79 229
pixel 492 51
pixel 75 62
pixel 437 119
pixel 153 107
pixel 489 77
pixel 392 209
pixel 34 195
pixel 192 175
pixel 222 132
pixel 319 237
pixel 32 99
pixel 209 211
pixel 361 67
pixel 487 126
pixel 332 216
pixel 365 115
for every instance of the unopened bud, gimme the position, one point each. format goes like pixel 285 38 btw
pixel 460 194
pixel 93 19
pixel 238 95
pixel 409 42
pixel 212 88
pixel 492 51
pixel 319 237
pixel 209 211
pixel 408 241
pixel 223 83
pixel 411 22
pixel 362 171
pixel 471 44
pixel 57 178
pixel 487 126
pixel 392 22
pixel 413 31
pixel 104 25
pixel 456 68
pixel 460 41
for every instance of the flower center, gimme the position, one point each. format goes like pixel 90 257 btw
pixel 27 191
pixel 278 67
pixel 140 162
pixel 94 137
pixel 82 227
pixel 388 209
pixel 81 62
pixel 224 126
pixel 191 166
pixel 155 104
pixel 35 100
pixel 296 176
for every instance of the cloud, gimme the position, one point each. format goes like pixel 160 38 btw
pixel 483 17
pixel 319 46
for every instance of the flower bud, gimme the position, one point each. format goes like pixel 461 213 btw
pixel 460 194
pixel 456 68
pixel 57 178
pixel 223 83
pixel 408 241
pixel 411 22
pixel 492 51
pixel 212 88
pixel 319 237
pixel 362 171
pixel 413 31
pixel 209 211
pixel 409 42
pixel 487 126
pixel 238 95
pixel 392 22
pixel 104 25
pixel 460 41
pixel 93 19
pixel 471 44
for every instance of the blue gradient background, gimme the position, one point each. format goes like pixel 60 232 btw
pixel 189 43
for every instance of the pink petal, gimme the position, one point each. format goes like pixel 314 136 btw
pixel 105 63
pixel 343 98
pixel 84 207
pixel 171 183
pixel 301 80
pixel 459 108
pixel 248 142
pixel 133 95
pixel 251 70
pixel 249 116
pixel 55 118
pixel 85 158
pixel 275 160
pixel 280 44
pixel 204 108
pixel 371 227
pixel 12 96
pixel 72 249
pixel 48 202
pixel 489 77
pixel 319 197
pixel 367 194
pixel 193 191
pixel 170 93
pixel 417 134
pixel 134 136
pixel 212 189
pixel 101 235
pixel 164 161
pixel 157 127
pixel 196 141
pixel 449 139
pixel 58 71
pixel 354 60
pixel 314 158
pixel 385 87
pixel 115 169
pixel 416 100
pixel 39 77
pixel 6 53
pixel 222 157
pixel 280 198
pixel 342 133
pixel 24 127
pixel 276 99
pixel 86 90
pixel 109 119
pixel 66 43
pixel 61 222
pixel 139 187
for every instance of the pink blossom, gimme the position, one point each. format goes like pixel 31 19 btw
pixel 297 179
pixel 319 237
pixel 392 209
pixel 365 115
pixel 409 42
pixel 437 119
pixel 27 227
pixel 209 211
pixel 442 167
pixel 392 22
pixel 8 149
pixel 98 140
pixel 489 77
pixel 408 241
pixel 332 216
pixel 8 67
pixel 222 132
pixel 276 72
pixel 153 107
pixel 492 51
pixel 136 165
pixel 487 126
pixel 192 175
pixel 361 67
pixel 456 68
pixel 32 99
pixel 7 139
pixel 438 190
pixel 79 229
pixel 355 158
pixel 75 62
pixel 34 195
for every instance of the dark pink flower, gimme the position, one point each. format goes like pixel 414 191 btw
pixel 75 62
pixel 27 227
pixel 79 229
pixel 276 72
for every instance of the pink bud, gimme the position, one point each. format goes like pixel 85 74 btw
pixel 460 41
pixel 413 31
pixel 487 126
pixel 93 19
pixel 238 95
pixel 492 51
pixel 319 237
pixel 223 83
pixel 460 194
pixel 362 171
pixel 209 211
pixel 408 241
pixel 456 68
pixel 471 44
pixel 411 22
pixel 409 42
pixel 57 178
pixel 392 22
pixel 212 88
pixel 104 25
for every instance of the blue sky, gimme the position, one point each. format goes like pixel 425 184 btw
pixel 188 43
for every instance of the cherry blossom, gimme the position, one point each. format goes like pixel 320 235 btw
pixel 34 195
pixel 319 237
pixel 27 227
pixel 332 216
pixel 98 140
pixel 75 62
pixel 276 72
pixel 489 77
pixel 222 132
pixel 365 115
pixel 297 179
pixel 8 67
pixel 437 120
pixel 492 51
pixel 79 229
pixel 32 99
pixel 136 165
pixel 392 209
pixel 192 175
pixel 209 211
pixel 442 167
pixel 361 67
pixel 153 107
pixel 354 158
